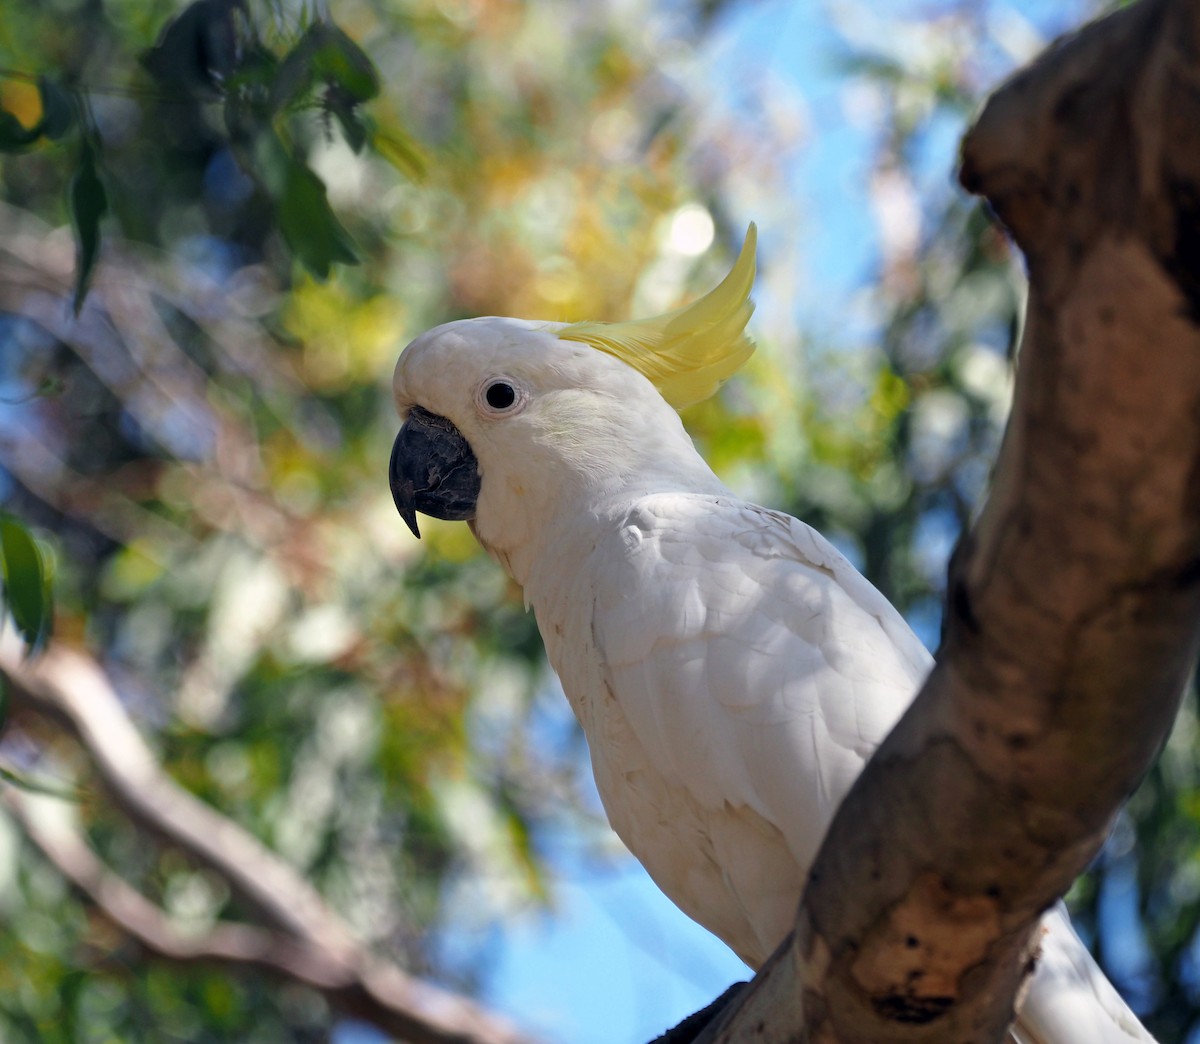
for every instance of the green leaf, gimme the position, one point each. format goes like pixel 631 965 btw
pixel 88 203
pixel 58 110
pixel 26 583
pixel 311 229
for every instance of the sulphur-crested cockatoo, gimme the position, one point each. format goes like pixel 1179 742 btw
pixel 731 670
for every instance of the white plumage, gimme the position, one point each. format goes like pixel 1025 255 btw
pixel 731 670
pixel 752 672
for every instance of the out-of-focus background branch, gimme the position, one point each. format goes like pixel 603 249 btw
pixel 352 980
pixel 195 421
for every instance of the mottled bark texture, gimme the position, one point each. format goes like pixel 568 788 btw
pixel 1073 603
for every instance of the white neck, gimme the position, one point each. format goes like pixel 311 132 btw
pixel 541 518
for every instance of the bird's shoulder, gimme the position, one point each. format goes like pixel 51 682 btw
pixel 755 667
pixel 692 565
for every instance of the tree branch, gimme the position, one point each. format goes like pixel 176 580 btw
pixel 306 941
pixel 72 689
pixel 1073 604
pixel 142 920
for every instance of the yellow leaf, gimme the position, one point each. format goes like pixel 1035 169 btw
pixel 23 100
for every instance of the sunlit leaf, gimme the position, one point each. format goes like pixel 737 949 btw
pixel 22 114
pixel 88 203
pixel 889 396
pixel 26 582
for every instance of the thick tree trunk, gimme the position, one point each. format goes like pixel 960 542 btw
pixel 1074 602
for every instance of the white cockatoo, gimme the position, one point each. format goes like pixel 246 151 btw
pixel 732 671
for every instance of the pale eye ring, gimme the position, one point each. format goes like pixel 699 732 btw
pixel 501 396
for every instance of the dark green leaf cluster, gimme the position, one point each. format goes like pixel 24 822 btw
pixel 213 49
pixel 210 59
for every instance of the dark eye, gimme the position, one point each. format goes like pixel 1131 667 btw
pixel 500 395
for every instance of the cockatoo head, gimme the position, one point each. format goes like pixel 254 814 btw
pixel 505 420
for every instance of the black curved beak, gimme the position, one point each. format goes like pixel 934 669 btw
pixel 432 470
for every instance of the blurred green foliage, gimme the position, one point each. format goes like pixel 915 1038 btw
pixel 204 445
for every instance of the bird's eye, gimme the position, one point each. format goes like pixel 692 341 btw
pixel 501 395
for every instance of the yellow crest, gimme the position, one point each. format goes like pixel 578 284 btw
pixel 690 352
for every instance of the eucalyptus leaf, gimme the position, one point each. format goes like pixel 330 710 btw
pixel 88 203
pixel 26 583
pixel 311 229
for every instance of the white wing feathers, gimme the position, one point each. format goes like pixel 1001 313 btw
pixel 1068 999
pixel 743 671
pixel 758 671
pixel 746 672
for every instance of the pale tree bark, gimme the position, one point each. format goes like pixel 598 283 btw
pixel 1073 602
pixel 300 938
